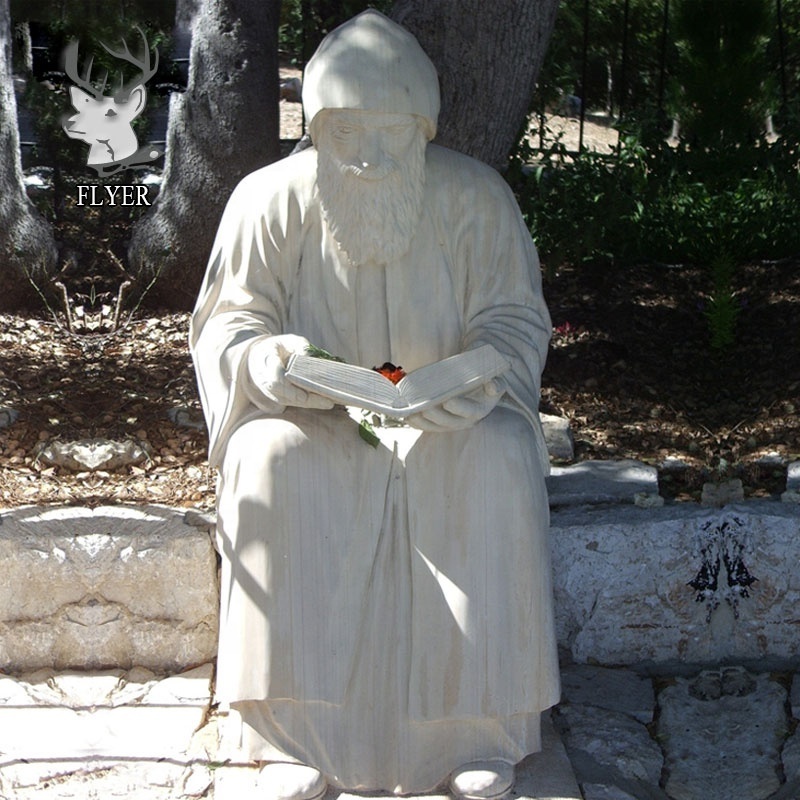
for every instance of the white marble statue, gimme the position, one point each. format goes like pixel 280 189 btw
pixel 387 619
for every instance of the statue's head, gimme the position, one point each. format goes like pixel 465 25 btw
pixel 371 99
pixel 371 64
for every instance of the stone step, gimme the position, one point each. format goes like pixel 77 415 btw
pixel 107 734
pixel 163 749
pixel 113 714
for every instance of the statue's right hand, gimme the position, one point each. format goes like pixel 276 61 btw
pixel 266 365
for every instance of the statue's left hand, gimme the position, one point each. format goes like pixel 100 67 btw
pixel 460 412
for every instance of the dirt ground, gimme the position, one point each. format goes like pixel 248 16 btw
pixel 630 366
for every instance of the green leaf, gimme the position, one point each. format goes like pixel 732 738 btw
pixel 318 352
pixel 366 432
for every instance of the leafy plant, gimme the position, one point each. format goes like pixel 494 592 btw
pixel 723 307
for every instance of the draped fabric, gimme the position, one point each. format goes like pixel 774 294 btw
pixel 386 612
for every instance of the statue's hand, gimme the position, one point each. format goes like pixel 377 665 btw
pixel 460 412
pixel 266 364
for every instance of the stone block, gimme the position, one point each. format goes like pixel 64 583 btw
pixel 722 746
pixel 107 715
pixel 612 742
pixel 109 587
pixel 722 494
pixel 558 437
pixel 95 778
pixel 795 696
pixel 793 476
pixel 603 791
pixel 790 758
pixel 115 714
pixel 619 690
pixel 599 482
pixel 635 585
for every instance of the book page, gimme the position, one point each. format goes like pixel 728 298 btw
pixel 424 387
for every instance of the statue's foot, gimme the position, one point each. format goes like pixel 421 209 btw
pixel 282 781
pixel 482 780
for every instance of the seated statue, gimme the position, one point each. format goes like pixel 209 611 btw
pixel 386 615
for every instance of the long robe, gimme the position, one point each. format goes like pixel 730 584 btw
pixel 386 613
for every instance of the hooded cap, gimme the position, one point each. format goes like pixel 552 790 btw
pixel 371 64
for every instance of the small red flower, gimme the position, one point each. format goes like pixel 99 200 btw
pixel 391 372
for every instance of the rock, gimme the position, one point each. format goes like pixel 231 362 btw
pixel 648 500
pixel 595 482
pixel 292 90
pixel 619 690
pixel 558 436
pixel 200 519
pixel 725 745
pixel 601 791
pixel 115 586
pixel 186 418
pixel 793 477
pixel 791 496
pixel 8 416
pixel 794 697
pixel 613 741
pixel 92 454
pixel 775 460
pixel 790 758
pixel 722 494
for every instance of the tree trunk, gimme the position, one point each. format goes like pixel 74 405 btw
pixel 224 126
pixel 27 248
pixel 488 56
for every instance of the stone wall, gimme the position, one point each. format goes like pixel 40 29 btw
pixel 106 588
pixel 121 587
pixel 678 585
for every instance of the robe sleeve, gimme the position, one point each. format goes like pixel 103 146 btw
pixel 502 291
pixel 244 296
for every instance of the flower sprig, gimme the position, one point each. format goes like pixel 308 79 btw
pixel 368 419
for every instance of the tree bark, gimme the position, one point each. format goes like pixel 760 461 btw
pixel 488 56
pixel 224 126
pixel 27 248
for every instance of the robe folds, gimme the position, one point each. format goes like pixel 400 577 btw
pixel 386 612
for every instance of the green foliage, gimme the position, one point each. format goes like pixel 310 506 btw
pixel 721 73
pixel 563 67
pixel 664 205
pixel 645 206
pixel 723 305
pixel 304 23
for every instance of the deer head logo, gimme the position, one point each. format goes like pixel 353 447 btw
pixel 105 122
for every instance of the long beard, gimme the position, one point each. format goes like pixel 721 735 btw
pixel 372 221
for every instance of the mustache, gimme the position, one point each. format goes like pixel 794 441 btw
pixel 376 173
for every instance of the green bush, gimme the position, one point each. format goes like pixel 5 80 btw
pixel 713 209
pixel 661 206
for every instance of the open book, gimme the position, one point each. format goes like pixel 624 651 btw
pixel 424 387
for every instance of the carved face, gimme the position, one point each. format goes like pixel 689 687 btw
pixel 371 177
pixel 369 144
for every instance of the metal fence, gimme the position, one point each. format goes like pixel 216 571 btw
pixel 630 70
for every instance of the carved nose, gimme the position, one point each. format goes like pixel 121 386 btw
pixel 370 152
pixel 111 113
